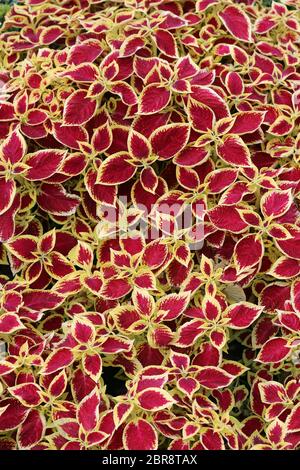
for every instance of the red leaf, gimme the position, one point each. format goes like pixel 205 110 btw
pixel 236 22
pixel 212 100
pixel 248 252
pixel 11 301
pixel 126 92
pixel 155 253
pixel 54 199
pixel 41 299
pixel 201 116
pixel 191 156
pixel 78 108
pixel 102 138
pixel 7 112
pixel 9 323
pixel 13 148
pixel 138 145
pixel 160 336
pixel 116 169
pixel 113 345
pixel 92 364
pixel 24 247
pixel 7 220
pixel 247 122
pixel 227 218
pixel 36 117
pixel 167 141
pixel 29 394
pixel 264 24
pixel 13 415
pixel 70 136
pixel 131 45
pixel 140 435
pixel 291 246
pixel 289 320
pixel 50 34
pixel 172 306
pixel 234 84
pixel 88 411
pixel 276 203
pixel 43 163
pixel 188 333
pixel 221 179
pixel 95 438
pixel 202 5
pixel 212 440
pixel 82 73
pixel 100 192
pixel 7 191
pixel 154 399
pixel 165 41
pixel 285 268
pixel 153 99
pixel 57 360
pixel 149 179
pixel 82 385
pixel 213 378
pixel 234 151
pixel 126 317
pixel 86 51
pixel 274 350
pixel 58 266
pixel 31 430
pixel 242 315
pixel 281 126
pixel 179 360
pixel 272 392
pixel 293 421
pixel 83 331
pixel 115 288
pixel 58 384
pixel 188 385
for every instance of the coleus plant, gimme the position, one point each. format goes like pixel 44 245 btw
pixel 120 327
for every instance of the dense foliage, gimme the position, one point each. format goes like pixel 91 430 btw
pixel 115 337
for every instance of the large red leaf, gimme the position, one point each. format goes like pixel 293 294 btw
pixel 214 378
pixel 88 411
pixel 43 163
pixel 54 199
pixel 116 169
pixel 242 314
pixel 57 360
pixel 78 108
pixel 7 191
pixel 140 435
pixel 153 99
pixel 31 430
pixel 274 350
pixel 234 151
pixel 237 22
pixel 167 141
pixel 154 399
